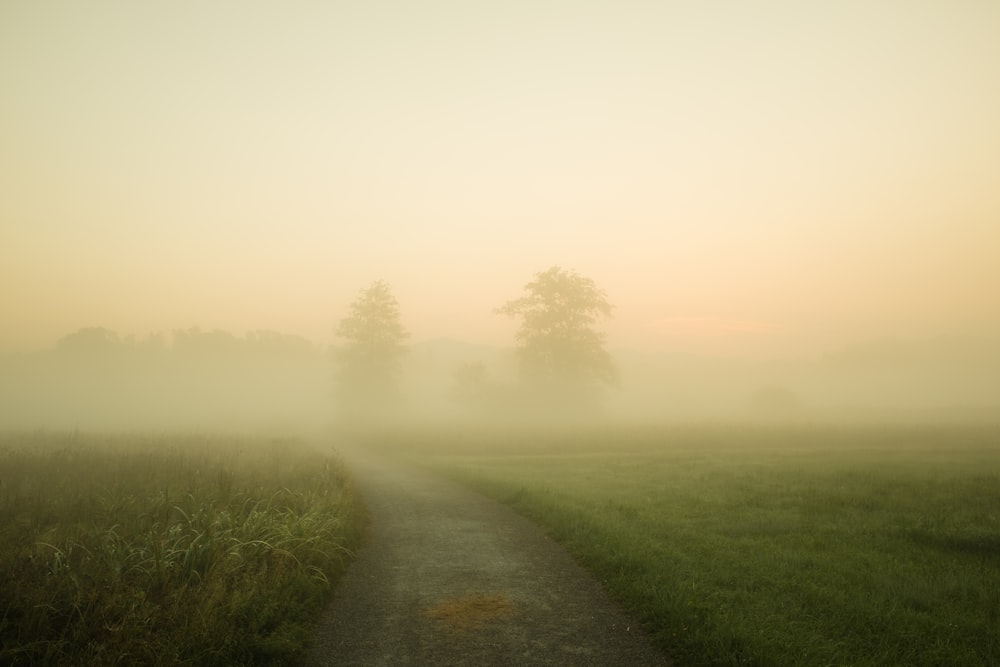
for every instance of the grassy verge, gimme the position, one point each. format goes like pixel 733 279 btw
pixel 167 550
pixel 769 546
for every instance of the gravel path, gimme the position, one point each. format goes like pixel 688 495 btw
pixel 449 577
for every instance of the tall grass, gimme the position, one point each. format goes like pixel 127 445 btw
pixel 166 550
pixel 806 546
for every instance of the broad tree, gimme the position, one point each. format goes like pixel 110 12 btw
pixel 558 346
pixel 369 360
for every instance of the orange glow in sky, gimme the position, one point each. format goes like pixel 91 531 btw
pixel 739 177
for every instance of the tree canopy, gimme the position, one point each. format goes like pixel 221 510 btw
pixel 369 359
pixel 557 339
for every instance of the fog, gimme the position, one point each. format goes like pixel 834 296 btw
pixel 264 381
pixel 790 210
pixel 190 380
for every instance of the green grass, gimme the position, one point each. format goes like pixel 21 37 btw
pixel 167 550
pixel 812 546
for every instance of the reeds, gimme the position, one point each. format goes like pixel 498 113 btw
pixel 166 550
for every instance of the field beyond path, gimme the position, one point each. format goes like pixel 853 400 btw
pixel 451 577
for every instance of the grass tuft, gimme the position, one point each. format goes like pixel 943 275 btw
pixel 166 550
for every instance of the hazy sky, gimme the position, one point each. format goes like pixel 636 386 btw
pixel 741 177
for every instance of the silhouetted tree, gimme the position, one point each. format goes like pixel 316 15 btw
pixel 559 349
pixel 369 359
pixel 470 384
pixel 214 346
pixel 91 341
pixel 266 344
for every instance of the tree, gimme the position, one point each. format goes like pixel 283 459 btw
pixel 90 341
pixel 369 359
pixel 471 386
pixel 558 347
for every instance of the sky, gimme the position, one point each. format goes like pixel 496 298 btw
pixel 740 178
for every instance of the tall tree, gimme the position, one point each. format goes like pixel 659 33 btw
pixel 369 359
pixel 558 345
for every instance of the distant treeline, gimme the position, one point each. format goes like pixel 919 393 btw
pixel 101 343
pixel 266 380
pixel 95 378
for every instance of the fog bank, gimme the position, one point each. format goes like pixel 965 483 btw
pixel 267 381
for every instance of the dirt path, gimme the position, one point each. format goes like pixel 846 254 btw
pixel 449 577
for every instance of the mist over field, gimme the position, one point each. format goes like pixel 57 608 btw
pixel 785 212
pixel 706 292
pixel 277 383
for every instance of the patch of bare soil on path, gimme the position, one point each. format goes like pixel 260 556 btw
pixel 471 611
pixel 449 577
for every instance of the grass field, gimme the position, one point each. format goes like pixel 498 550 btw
pixel 808 546
pixel 167 550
